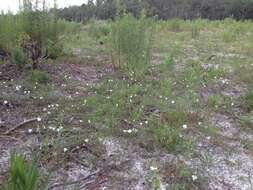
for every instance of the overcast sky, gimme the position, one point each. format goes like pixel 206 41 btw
pixel 13 4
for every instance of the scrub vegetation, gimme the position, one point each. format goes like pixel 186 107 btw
pixel 130 103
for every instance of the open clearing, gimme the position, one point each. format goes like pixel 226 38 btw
pixel 185 124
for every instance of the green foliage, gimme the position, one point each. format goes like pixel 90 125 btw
pixel 39 77
pixel 34 24
pixel 54 50
pixel 175 25
pixel 167 137
pixel 131 42
pixel 98 30
pixel 23 175
pixel 195 31
pixel 18 57
pixel 248 101
pixel 169 61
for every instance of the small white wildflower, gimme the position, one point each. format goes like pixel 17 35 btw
pixel 18 88
pixel 129 131
pixel 173 102
pixel 5 102
pixel 86 140
pixel 117 105
pixel 199 123
pixel 44 109
pixel 185 126
pixel 208 138
pixel 30 130
pixel 65 150
pixel 141 123
pixel 81 121
pixel 38 119
pixel 41 98
pixel 146 122
pixel 152 168
pixel 194 177
pixel 89 121
pixel 232 104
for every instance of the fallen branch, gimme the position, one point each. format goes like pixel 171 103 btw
pixel 20 125
pixel 74 182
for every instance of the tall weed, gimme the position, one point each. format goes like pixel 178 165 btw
pixel 131 42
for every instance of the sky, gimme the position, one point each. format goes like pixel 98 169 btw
pixel 13 4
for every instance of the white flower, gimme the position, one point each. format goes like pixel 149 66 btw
pixel 194 177
pixel 173 102
pixel 81 121
pixel 129 131
pixel 18 88
pixel 38 119
pixel 41 98
pixel 208 138
pixel 184 126
pixel 65 150
pixel 86 140
pixel 232 104
pixel 30 130
pixel 200 123
pixel 152 168
pixel 5 102
pixel 89 121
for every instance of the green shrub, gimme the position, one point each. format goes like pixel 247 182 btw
pixel 30 30
pixel 54 50
pixel 39 77
pixel 131 42
pixel 23 175
pixel 18 57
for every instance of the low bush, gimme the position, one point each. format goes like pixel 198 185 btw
pixel 18 57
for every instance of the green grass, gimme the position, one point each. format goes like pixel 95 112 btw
pixel 23 175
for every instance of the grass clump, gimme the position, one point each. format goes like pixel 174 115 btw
pixel 248 101
pixel 23 175
pixel 131 42
pixel 39 77
pixel 167 137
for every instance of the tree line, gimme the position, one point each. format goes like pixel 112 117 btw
pixel 164 9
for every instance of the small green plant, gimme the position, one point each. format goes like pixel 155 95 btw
pixel 169 61
pixel 18 57
pixel 248 101
pixel 39 77
pixel 167 137
pixel 23 175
